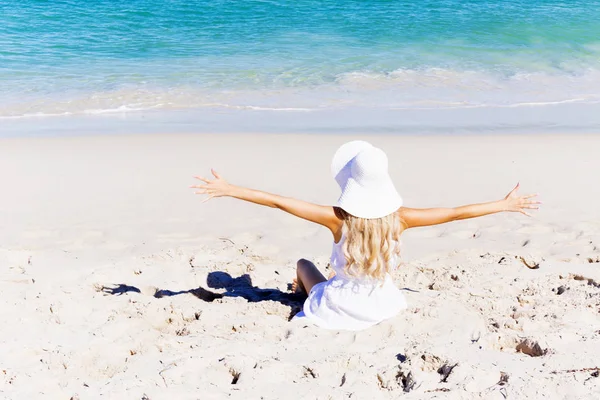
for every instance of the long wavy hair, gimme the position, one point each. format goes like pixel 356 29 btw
pixel 371 244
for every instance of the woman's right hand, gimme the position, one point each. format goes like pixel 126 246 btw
pixel 217 187
pixel 322 215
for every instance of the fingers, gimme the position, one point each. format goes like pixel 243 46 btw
pixel 525 213
pixel 529 196
pixel 530 206
pixel 215 174
pixel 512 193
pixel 529 203
pixel 210 188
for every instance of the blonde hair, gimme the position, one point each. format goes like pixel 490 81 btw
pixel 371 244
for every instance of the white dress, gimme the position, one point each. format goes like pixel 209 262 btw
pixel 350 303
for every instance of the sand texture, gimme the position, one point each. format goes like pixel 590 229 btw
pixel 118 283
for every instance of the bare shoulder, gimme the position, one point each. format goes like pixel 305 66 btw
pixel 337 222
pixel 413 217
pixel 405 215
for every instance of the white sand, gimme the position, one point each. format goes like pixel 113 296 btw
pixel 81 218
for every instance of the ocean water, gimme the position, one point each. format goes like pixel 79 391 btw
pixel 301 65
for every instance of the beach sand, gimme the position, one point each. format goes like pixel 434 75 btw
pixel 118 283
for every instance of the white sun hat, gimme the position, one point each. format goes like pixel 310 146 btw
pixel 361 170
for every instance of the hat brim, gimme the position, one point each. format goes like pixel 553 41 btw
pixel 370 202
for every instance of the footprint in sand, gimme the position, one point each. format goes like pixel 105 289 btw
pixel 526 345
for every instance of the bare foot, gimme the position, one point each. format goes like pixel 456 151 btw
pixel 331 274
pixel 295 286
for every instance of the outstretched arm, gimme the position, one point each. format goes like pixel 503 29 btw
pixel 218 187
pixel 414 217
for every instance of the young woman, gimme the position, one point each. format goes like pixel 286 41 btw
pixel 366 223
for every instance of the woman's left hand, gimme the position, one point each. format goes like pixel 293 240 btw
pixel 514 202
pixel 213 188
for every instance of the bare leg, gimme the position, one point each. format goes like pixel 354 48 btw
pixel 307 276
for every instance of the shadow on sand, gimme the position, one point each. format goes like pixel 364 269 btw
pixel 234 287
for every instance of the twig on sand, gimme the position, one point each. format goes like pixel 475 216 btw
pixel 168 367
pixel 533 265
pixel 569 371
pixel 227 239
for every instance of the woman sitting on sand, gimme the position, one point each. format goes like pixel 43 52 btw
pixel 366 224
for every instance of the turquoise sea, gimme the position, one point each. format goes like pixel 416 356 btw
pixel 302 65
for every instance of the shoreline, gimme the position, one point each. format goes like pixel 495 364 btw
pixel 556 119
